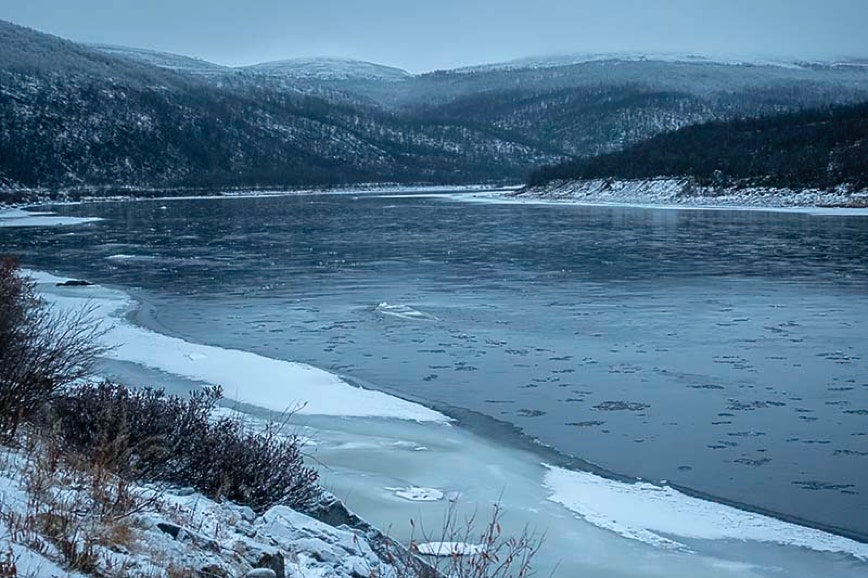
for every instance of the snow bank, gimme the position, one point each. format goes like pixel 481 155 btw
pixel 667 193
pixel 657 515
pixel 22 218
pixel 246 377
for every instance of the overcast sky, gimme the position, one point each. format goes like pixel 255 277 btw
pixel 427 35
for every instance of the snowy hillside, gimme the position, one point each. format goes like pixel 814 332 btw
pixel 166 60
pixel 557 60
pixel 329 69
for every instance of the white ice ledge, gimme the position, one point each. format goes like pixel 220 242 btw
pixel 22 218
pixel 659 515
pixel 273 384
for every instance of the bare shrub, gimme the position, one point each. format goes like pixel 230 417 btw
pixel 41 349
pixel 460 550
pixel 148 435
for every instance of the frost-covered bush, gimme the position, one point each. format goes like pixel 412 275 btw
pixel 148 435
pixel 41 349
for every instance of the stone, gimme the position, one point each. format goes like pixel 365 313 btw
pixel 170 529
pixel 272 561
pixel 261 573
pixel 247 514
pixel 212 571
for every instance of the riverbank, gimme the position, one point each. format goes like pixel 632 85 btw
pixel 61 516
pixel 685 193
pixel 19 198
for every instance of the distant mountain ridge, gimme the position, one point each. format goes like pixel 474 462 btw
pixel 569 59
pixel 75 116
pixel 167 60
pixel 322 68
pixel 321 64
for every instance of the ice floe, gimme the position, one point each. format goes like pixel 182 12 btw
pixel 23 218
pixel 446 549
pixel 414 494
pixel 404 312
pixel 660 515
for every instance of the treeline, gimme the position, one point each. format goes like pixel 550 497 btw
pixel 820 148
pixel 72 117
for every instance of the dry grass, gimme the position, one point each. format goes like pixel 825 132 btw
pixel 76 512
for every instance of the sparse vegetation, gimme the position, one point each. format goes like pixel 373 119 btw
pixel 41 349
pixel 461 550
pixel 148 435
pixel 75 510
pixel 140 435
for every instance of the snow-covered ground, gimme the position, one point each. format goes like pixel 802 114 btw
pixel 164 532
pixel 682 194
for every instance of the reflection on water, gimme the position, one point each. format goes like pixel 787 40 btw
pixel 723 351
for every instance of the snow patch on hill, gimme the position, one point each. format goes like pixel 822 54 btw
pixel 329 69
pixel 167 60
pixel 571 59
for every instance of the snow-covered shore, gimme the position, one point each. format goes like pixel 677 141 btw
pixel 684 193
pixel 18 199
pixel 174 531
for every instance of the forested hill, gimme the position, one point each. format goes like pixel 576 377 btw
pixel 82 117
pixel 815 148
pixel 72 116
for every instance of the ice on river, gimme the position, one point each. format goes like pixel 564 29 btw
pixel 621 529
pixel 657 514
pixel 404 312
pixel 246 377
pixel 22 218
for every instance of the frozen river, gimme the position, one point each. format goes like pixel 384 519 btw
pixel 721 351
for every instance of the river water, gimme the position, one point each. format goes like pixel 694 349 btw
pixel 724 352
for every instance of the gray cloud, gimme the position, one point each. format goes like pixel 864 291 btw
pixel 424 36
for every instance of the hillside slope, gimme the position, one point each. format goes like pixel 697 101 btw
pixel 72 116
pixel 821 148
pixel 574 105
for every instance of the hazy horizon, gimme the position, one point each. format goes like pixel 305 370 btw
pixel 451 34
